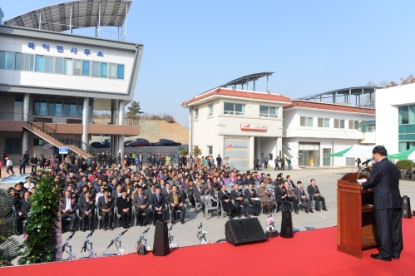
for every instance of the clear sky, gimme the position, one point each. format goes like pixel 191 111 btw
pixel 192 46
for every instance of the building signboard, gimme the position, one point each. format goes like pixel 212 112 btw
pixel 253 127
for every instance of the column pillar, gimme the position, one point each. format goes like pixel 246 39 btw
pixel 26 104
pixel 279 147
pixel 251 152
pixel 25 141
pixel 121 116
pixel 85 123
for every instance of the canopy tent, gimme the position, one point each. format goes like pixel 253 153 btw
pixel 355 151
pixel 404 155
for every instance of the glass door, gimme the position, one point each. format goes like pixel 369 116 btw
pixel 326 157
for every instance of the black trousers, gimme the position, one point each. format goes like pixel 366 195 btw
pixel 22 168
pixel 317 200
pixel 174 209
pixel 294 201
pixel 244 204
pixel 89 217
pixel 389 227
pixel 163 215
pixel 125 218
pixel 277 167
pixel 20 220
pixel 72 217
pixel 306 203
pixel 256 204
pixel 104 216
pixel 142 218
pixel 34 167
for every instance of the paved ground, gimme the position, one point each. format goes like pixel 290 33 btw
pixel 185 235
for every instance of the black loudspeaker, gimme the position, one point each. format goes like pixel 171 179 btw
pixel 244 231
pixel 161 240
pixel 286 224
pixel 406 207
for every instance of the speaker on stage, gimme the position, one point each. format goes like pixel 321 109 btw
pixel 406 207
pixel 161 240
pixel 286 224
pixel 244 231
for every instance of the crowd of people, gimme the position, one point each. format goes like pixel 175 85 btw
pixel 129 193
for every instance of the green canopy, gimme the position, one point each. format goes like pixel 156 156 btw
pixel 341 153
pixel 404 155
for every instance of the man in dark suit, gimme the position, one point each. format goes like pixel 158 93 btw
pixel 290 182
pixel 117 192
pixel 86 210
pixel 198 194
pixel 68 209
pixel 141 203
pixel 280 194
pixel 238 197
pixel 387 204
pixel 22 209
pixel 314 192
pixel 124 208
pixel 175 201
pixel 253 199
pixel 106 209
pixel 302 196
pixel 158 202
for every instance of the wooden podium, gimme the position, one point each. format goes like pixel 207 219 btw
pixel 356 226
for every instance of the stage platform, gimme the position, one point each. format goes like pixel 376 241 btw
pixel 308 253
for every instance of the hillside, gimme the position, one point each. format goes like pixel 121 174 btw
pixel 154 130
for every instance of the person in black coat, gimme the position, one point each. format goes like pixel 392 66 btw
pixel 314 192
pixel 124 208
pixel 387 204
pixel 158 202
pixel 225 199
pixel 68 209
pixel 141 203
pixel 253 199
pixel 106 209
pixel 280 195
pixel 239 199
pixel 22 209
pixel 86 206
pixel 175 201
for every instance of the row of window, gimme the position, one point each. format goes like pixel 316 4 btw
pixel 59 65
pixel 337 123
pixel 239 110
pixel 406 114
pixel 57 108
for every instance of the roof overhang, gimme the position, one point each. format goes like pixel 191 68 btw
pixel 73 15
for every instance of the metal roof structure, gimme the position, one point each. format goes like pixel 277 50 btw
pixel 357 92
pixel 246 79
pixel 75 14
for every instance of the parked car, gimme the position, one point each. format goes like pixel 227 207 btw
pixel 139 142
pixel 166 143
pixel 100 144
pixel 152 144
pixel 127 143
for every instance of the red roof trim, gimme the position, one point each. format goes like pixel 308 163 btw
pixel 239 94
pixel 329 106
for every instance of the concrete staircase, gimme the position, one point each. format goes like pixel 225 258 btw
pixel 47 137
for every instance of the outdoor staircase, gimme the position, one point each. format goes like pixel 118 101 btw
pixel 37 130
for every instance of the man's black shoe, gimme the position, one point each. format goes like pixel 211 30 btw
pixel 311 211
pixel 325 209
pixel 318 210
pixel 378 257
pixel 396 255
pixel 105 229
pixel 182 222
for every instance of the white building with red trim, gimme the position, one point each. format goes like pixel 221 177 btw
pixel 315 130
pixel 238 124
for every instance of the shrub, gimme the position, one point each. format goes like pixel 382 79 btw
pixel 184 152
pixel 405 164
pixel 196 151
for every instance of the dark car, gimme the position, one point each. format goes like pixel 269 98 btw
pixel 127 143
pixel 166 143
pixel 100 145
pixel 139 142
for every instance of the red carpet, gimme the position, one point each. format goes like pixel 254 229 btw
pixel 308 253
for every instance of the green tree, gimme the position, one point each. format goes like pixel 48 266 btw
pixel 41 243
pixel 184 152
pixel 196 151
pixel 133 109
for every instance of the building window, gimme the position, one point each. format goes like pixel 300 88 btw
pixel 234 109
pixel 104 70
pixel 338 123
pixel 72 112
pixel 210 110
pixel 95 69
pixel 48 64
pixel 52 108
pixel 19 61
pixel 196 113
pixel 79 111
pixel 268 111
pixel 68 66
pixel 86 68
pixel 59 108
pixel 210 150
pixel 14 145
pixel 40 107
pixel 351 124
pixel 29 62
pixel 58 65
pixel 120 71
pixel 40 63
pixel 113 71
pixel 77 67
pixel 306 121
pixel 324 122
pixel 6 60
pixel 407 114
